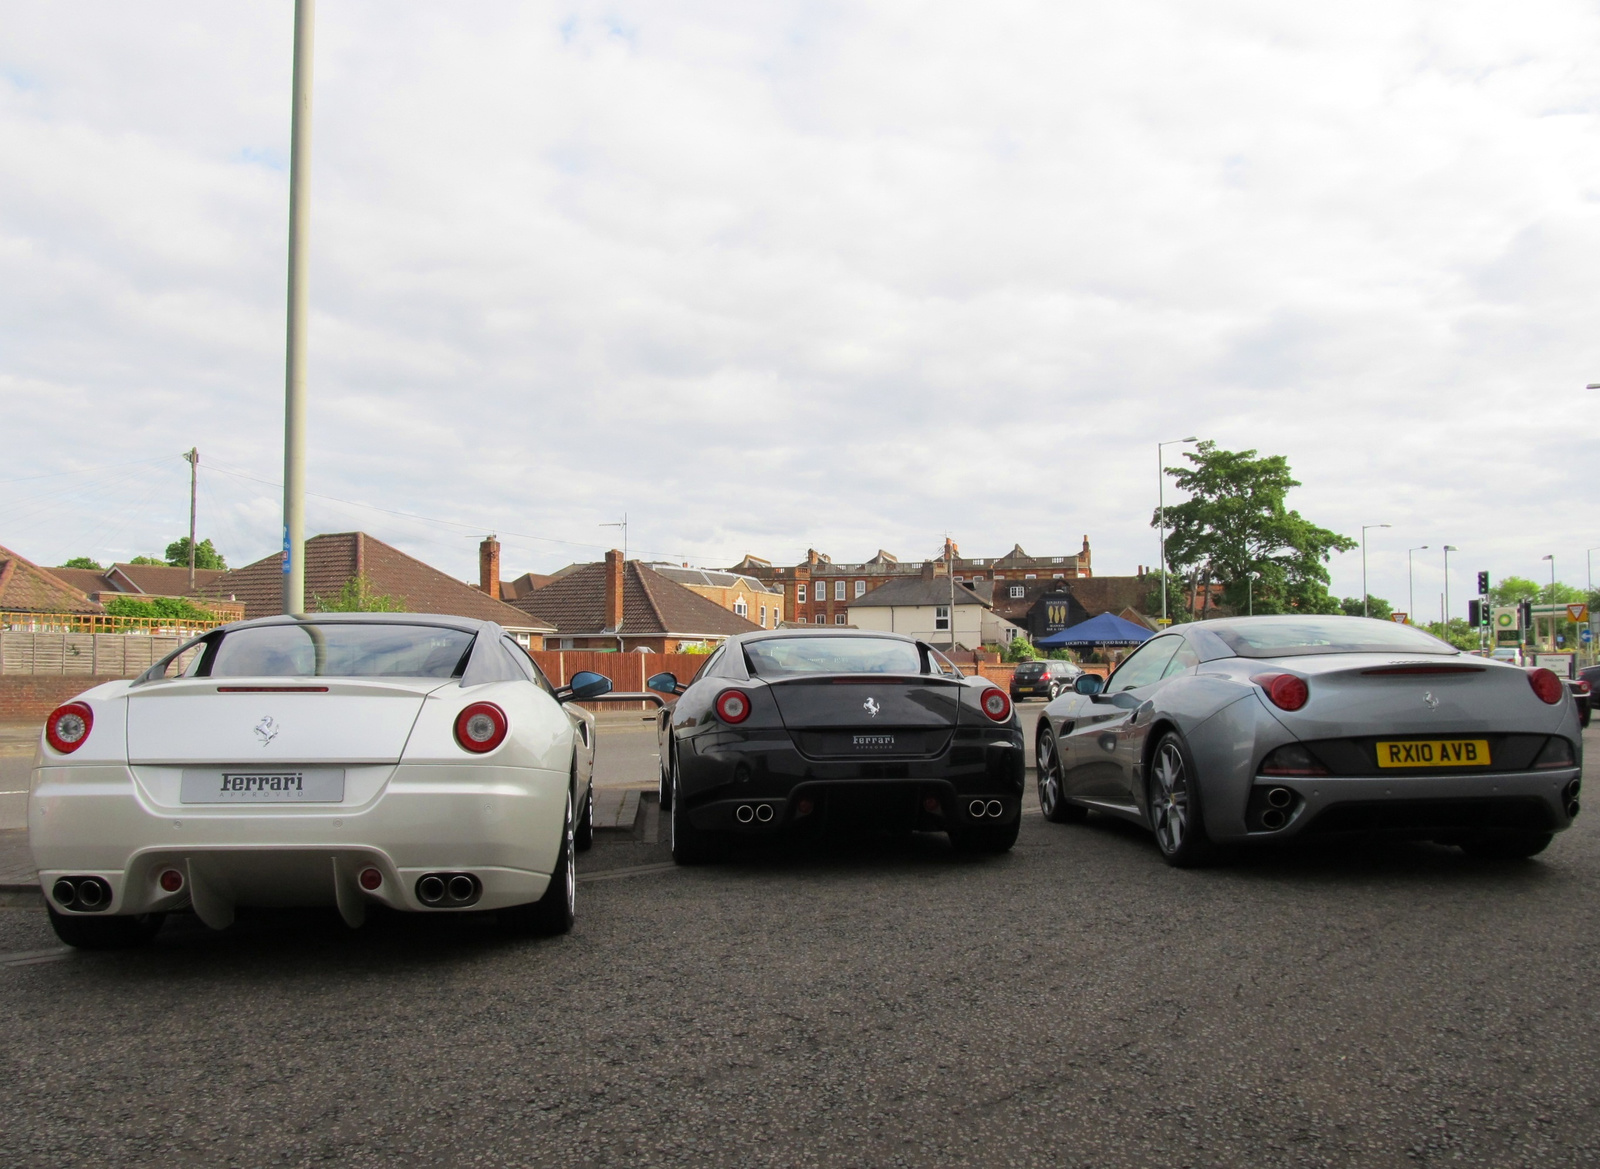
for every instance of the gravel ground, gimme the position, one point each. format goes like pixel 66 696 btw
pixel 1073 1003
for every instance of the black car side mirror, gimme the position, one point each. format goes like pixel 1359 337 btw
pixel 665 683
pixel 584 684
pixel 1090 684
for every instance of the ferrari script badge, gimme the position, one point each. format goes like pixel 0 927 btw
pixel 1429 700
pixel 266 730
pixel 871 707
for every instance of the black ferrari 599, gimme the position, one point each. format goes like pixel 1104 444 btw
pixel 791 731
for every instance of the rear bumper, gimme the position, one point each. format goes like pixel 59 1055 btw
pixel 502 825
pixel 927 805
pixel 1432 806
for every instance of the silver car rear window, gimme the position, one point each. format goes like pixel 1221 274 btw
pixel 1277 637
pixel 780 657
pixel 322 650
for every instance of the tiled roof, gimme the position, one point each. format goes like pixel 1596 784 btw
pixel 510 590
pixel 85 580
pixel 157 580
pixel 713 578
pixel 27 588
pixel 1111 594
pixel 333 559
pixel 917 591
pixel 652 605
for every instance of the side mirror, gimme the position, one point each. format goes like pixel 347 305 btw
pixel 1090 684
pixel 584 684
pixel 665 683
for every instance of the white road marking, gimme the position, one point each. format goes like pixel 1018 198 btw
pixel 35 957
pixel 634 871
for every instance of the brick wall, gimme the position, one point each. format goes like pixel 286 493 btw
pixel 29 697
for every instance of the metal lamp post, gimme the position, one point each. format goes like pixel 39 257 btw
pixel 1161 512
pixel 294 412
pixel 1364 530
pixel 1411 583
pixel 1445 616
pixel 1552 559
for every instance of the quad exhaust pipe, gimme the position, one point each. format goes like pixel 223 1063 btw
pixel 980 809
pixel 84 894
pixel 448 890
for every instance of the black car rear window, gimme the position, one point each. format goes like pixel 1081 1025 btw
pixel 328 650
pixel 1030 669
pixel 1278 637
pixel 781 657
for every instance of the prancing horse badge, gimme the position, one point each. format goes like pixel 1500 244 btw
pixel 871 707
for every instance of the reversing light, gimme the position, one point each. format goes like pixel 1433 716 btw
pixel 481 727
pixel 996 704
pixel 1287 691
pixel 68 726
pixel 1546 685
pixel 733 706
pixel 1556 752
pixel 1292 759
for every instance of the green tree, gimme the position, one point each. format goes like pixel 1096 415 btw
pixel 1018 651
pixel 205 554
pixel 1237 521
pixel 166 608
pixel 1376 607
pixel 1517 588
pixel 150 560
pixel 84 562
pixel 1457 632
pixel 357 597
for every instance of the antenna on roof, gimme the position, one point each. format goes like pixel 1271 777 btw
pixel 623 524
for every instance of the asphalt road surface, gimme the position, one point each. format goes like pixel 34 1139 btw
pixel 1074 1003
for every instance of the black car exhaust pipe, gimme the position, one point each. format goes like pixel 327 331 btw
pixel 430 889
pixel 976 809
pixel 1280 797
pixel 744 813
pixel 462 887
pixel 994 808
pixel 764 812
pixel 1274 818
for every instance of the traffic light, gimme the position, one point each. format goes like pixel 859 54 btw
pixel 1483 584
pixel 1475 612
pixel 1527 614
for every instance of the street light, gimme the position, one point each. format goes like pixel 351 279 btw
pixel 1161 512
pixel 1411 583
pixel 1250 591
pixel 1552 559
pixel 1364 528
pixel 1445 616
pixel 294 404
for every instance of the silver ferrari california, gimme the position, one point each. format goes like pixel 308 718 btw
pixel 1267 728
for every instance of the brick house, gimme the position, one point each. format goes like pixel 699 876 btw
pixel 754 600
pixel 934 608
pixel 335 558
pixel 628 606
pixel 144 582
pixel 27 588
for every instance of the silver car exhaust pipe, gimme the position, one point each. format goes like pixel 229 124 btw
pixel 448 890
pixel 1274 818
pixel 85 894
pixel 1280 797
pixel 744 813
pixel 994 808
pixel 976 809
pixel 430 890
pixel 462 887
pixel 763 812
pixel 980 809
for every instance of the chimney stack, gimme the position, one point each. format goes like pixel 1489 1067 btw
pixel 489 566
pixel 615 567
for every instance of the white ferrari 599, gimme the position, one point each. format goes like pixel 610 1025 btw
pixel 419 762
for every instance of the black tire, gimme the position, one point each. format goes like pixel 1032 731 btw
pixel 986 840
pixel 1172 802
pixel 1507 846
pixel 691 845
pixel 1052 798
pixel 555 912
pixel 106 933
pixel 583 834
pixel 666 776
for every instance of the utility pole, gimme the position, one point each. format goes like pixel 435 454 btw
pixel 1364 528
pixel 294 410
pixel 1411 585
pixel 1161 514
pixel 950 571
pixel 1444 611
pixel 193 459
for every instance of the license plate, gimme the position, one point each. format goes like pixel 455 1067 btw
pixel 276 785
pixel 872 742
pixel 1435 753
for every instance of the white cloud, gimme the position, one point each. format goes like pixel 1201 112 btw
pixel 771 277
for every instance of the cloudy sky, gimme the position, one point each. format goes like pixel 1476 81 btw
pixel 774 276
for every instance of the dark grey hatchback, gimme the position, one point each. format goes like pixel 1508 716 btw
pixel 1042 679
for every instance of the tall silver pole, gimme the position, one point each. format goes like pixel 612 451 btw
pixel 294 412
pixel 1161 511
pixel 193 459
pixel 1364 612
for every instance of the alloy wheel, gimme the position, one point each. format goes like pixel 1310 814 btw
pixel 1169 797
pixel 572 863
pixel 1049 772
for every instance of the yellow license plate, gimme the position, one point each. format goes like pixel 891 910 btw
pixel 1435 753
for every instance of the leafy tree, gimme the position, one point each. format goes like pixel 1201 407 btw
pixel 149 560
pixel 205 554
pixel 1517 588
pixel 1237 521
pixel 1457 632
pixel 1018 651
pixel 84 562
pixel 1376 607
pixel 357 597
pixel 166 608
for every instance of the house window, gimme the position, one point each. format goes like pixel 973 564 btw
pixel 977 579
pixel 820 619
pixel 861 588
pixel 1058 576
pixel 763 616
pixel 838 618
pixel 566 643
pixel 979 563
pixel 941 617
pixel 741 608
pixel 1030 576
pixel 838 590
pixel 999 576
pixel 960 579
pixel 1017 590
pixel 800 593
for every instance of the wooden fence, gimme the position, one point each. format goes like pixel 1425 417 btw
pixel 104 623
pixel 108 654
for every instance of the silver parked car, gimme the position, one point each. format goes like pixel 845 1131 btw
pixel 1267 728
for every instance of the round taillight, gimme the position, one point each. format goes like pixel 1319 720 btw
pixel 1287 691
pixel 996 704
pixel 1546 685
pixel 370 879
pixel 733 706
pixel 171 880
pixel 481 727
pixel 68 726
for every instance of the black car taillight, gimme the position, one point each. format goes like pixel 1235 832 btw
pixel 1556 753
pixel 1292 759
pixel 733 706
pixel 996 704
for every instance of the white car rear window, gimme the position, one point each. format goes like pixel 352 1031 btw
pixel 320 650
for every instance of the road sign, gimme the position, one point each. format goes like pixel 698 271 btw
pixel 1585 636
pixel 1400 618
pixel 1578 613
pixel 1506 617
pixel 1163 620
